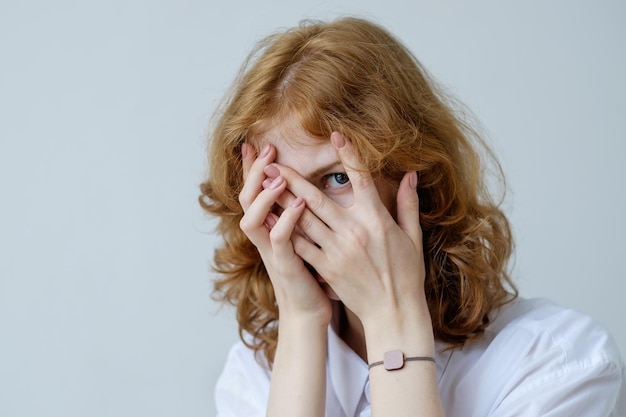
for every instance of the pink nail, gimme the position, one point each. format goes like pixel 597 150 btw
pixel 265 151
pixel 276 183
pixel 338 140
pixel 270 222
pixel 413 179
pixel 271 171
pixel 297 202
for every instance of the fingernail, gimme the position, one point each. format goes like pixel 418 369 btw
pixel 413 179
pixel 270 222
pixel 276 183
pixel 338 140
pixel 267 183
pixel 265 151
pixel 297 202
pixel 271 171
pixel 244 150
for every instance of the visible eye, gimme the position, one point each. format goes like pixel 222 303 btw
pixel 336 180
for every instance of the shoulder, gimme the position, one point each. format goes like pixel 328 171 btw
pixel 243 361
pixel 536 353
pixel 537 327
pixel 243 386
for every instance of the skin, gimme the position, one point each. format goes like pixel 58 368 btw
pixel 364 240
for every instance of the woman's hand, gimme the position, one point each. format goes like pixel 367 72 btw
pixel 373 263
pixel 297 292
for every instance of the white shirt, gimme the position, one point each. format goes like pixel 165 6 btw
pixel 535 359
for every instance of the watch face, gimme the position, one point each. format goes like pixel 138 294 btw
pixel 393 359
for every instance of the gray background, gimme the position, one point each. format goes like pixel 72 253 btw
pixel 104 290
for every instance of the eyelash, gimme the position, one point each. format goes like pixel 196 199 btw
pixel 338 177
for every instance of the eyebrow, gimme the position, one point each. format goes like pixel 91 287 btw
pixel 321 170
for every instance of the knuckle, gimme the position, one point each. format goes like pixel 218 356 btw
pixel 316 201
pixel 375 228
pixel 363 181
pixel 360 234
pixel 413 204
pixel 244 200
pixel 278 236
pixel 305 222
pixel 244 225
pixel 378 228
pixel 298 246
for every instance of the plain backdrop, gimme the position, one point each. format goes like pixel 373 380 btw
pixel 105 305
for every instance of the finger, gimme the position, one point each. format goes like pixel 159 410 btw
pixel 253 223
pixel 317 202
pixel 307 250
pixel 271 220
pixel 283 229
pixel 283 232
pixel 408 208
pixel 362 183
pixel 309 225
pixel 248 154
pixel 253 172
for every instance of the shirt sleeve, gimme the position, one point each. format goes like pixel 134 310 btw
pixel 243 386
pixel 562 364
pixel 582 389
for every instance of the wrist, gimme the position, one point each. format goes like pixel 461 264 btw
pixel 316 317
pixel 298 339
pixel 305 319
pixel 411 332
pixel 302 325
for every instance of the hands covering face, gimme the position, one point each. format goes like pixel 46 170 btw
pixel 374 264
pixel 297 292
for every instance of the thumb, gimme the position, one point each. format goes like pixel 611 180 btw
pixel 408 207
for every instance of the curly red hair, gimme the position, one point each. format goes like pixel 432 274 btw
pixel 352 76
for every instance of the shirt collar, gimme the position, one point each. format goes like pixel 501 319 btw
pixel 348 373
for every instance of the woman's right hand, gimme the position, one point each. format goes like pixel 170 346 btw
pixel 298 294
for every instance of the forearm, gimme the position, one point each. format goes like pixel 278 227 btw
pixel 412 390
pixel 298 386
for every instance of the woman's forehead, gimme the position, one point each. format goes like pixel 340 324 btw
pixel 298 150
pixel 284 132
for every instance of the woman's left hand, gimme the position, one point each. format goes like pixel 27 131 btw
pixel 374 264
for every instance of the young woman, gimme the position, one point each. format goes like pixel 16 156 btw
pixel 366 259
